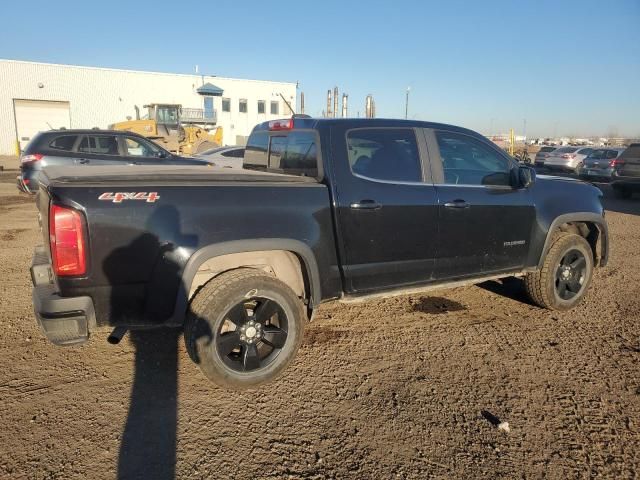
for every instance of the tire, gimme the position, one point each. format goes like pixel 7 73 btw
pixel 269 332
pixel 545 286
pixel 622 193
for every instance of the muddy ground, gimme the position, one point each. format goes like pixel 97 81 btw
pixel 390 389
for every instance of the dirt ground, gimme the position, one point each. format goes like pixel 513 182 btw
pixel 398 388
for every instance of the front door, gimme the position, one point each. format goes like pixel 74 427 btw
pixel 484 222
pixel 386 207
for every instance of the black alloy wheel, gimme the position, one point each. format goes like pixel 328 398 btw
pixel 252 334
pixel 570 274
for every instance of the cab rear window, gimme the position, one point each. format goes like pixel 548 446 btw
pixel 293 153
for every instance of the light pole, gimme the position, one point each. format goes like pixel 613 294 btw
pixel 406 104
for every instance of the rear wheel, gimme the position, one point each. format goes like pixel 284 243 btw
pixel 243 328
pixel 565 275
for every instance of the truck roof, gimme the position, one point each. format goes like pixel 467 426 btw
pixel 303 121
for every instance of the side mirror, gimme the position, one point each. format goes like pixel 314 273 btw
pixel 161 154
pixel 526 176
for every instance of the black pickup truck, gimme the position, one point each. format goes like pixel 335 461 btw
pixel 323 209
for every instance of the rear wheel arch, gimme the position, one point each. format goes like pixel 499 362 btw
pixel 291 261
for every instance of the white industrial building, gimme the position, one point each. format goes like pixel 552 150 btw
pixel 41 96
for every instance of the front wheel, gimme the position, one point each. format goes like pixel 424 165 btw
pixel 565 275
pixel 243 328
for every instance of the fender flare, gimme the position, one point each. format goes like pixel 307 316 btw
pixel 579 217
pixel 208 252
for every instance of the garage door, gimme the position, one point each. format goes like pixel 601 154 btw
pixel 33 116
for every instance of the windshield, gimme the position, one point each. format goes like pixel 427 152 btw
pixel 597 154
pixel 566 150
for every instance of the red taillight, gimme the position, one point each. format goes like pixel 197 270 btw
pixel 31 158
pixel 616 161
pixel 286 124
pixel 569 155
pixel 66 236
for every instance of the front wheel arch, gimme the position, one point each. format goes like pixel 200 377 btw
pixel 589 225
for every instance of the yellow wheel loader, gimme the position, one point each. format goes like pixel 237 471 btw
pixel 184 131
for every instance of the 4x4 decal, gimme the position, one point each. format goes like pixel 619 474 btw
pixel 119 197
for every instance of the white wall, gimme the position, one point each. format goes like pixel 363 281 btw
pixel 100 96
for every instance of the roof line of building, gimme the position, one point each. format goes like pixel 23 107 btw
pixel 193 75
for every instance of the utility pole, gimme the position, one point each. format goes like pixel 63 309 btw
pixel 406 104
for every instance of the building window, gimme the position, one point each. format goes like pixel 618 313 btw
pixel 226 104
pixel 242 106
pixel 261 106
pixel 275 108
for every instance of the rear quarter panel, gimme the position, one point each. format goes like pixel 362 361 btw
pixel 138 249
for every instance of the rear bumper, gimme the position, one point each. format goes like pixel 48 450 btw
pixel 627 182
pixel 555 164
pixel 27 182
pixel 596 172
pixel 64 320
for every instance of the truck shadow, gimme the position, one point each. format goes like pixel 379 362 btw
pixel 509 287
pixel 149 439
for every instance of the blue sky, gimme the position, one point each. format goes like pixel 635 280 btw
pixel 567 67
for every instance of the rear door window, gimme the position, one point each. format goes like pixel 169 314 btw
pixel 99 145
pixel 387 154
pixel 65 143
pixel 597 154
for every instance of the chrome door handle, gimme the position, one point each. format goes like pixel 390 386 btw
pixel 83 161
pixel 457 204
pixel 366 205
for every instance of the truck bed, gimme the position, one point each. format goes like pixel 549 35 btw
pixel 159 175
pixel 138 246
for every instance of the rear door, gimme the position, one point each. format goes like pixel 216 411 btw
pixel 484 223
pixel 98 149
pixel 386 207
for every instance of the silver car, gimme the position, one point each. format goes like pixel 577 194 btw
pixel 226 157
pixel 567 159
pixel 542 155
pixel 600 164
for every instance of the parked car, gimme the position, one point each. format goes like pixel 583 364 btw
pixel 626 172
pixel 242 258
pixel 91 147
pixel 567 159
pixel 600 164
pixel 226 157
pixel 542 154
